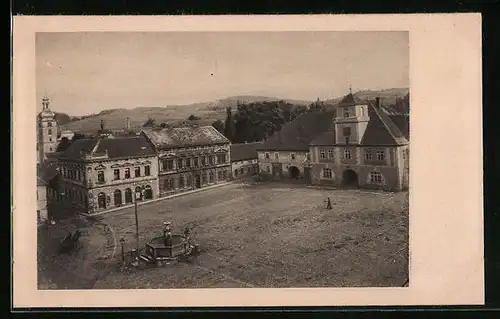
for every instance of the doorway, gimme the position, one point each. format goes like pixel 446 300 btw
pixel 349 178
pixel 294 172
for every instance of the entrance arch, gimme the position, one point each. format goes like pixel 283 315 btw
pixel 349 178
pixel 148 192
pixel 101 200
pixel 118 197
pixel 294 171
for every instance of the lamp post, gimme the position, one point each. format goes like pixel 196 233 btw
pixel 138 196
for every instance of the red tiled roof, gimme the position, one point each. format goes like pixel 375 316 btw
pixel 297 134
pixel 123 147
pixel 244 151
pixel 172 137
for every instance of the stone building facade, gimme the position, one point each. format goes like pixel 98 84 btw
pixel 244 159
pixel 363 148
pixel 99 174
pixel 286 155
pixel 41 198
pixel 190 157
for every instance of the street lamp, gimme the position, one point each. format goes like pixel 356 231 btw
pixel 138 196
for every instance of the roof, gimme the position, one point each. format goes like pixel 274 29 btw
pixel 244 151
pixel 349 100
pixel 122 147
pixel 46 172
pixel 297 134
pixel 172 137
pixel 381 130
pixel 402 121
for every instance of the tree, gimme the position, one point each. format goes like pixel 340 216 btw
pixel 219 126
pixel 163 125
pixel 193 117
pixel 150 122
pixel 63 144
pixel 229 125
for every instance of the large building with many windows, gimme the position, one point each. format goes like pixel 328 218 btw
pixel 365 147
pixel 189 157
pixel 99 174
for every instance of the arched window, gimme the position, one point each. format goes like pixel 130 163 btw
pixel 118 197
pixel 148 192
pixel 101 200
pixel 128 195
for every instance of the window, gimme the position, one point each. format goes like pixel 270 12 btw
pixel 169 184
pixel 236 172
pixel 49 124
pixel 220 176
pixel 137 172
pixel 100 177
pixel 203 177
pixel 127 173
pixel 380 155
pixel 180 163
pixel 181 181
pixel 375 178
pixel 50 139
pixel 347 154
pixel 211 160
pixel 195 162
pixel 221 159
pixel 346 112
pixel 330 153
pixel 50 131
pixel 327 173
pixel 147 170
pixel 266 155
pixel 308 156
pixel 322 154
pixel 203 161
pixel 368 155
pixel 189 181
pixel 292 156
pixel 362 111
pixel 277 155
pixel 211 177
pixel 346 131
pixel 188 162
pixel 116 174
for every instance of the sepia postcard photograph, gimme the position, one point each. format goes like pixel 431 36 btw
pixel 172 160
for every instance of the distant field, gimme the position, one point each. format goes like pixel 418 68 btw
pixel 263 236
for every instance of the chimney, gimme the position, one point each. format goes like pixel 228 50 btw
pixel 128 124
pixel 377 102
pixel 102 125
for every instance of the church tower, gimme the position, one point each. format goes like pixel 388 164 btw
pixel 47 131
pixel 351 120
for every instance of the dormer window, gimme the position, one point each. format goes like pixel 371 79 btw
pixel 266 155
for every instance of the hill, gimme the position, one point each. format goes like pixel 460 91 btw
pixel 208 112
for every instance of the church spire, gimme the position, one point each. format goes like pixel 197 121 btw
pixel 45 101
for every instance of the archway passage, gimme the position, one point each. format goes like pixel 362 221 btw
pixel 294 172
pixel 118 197
pixel 148 192
pixel 349 178
pixel 101 200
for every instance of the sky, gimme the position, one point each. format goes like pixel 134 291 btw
pixel 84 73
